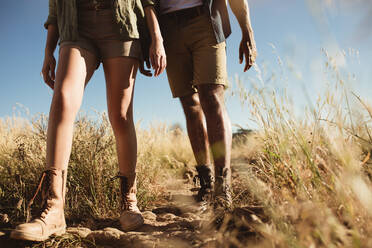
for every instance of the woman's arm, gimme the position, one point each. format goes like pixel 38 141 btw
pixel 52 16
pixel 157 52
pixel 49 64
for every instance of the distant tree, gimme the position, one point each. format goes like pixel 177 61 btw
pixel 240 135
pixel 176 128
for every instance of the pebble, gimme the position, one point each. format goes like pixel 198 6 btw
pixel 81 231
pixel 166 217
pixel 148 215
pixel 190 216
pixel 4 218
pixel 106 235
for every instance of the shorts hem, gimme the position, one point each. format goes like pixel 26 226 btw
pixel 224 83
pixel 179 95
pixel 119 56
pixel 182 94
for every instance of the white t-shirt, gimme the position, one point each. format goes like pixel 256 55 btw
pixel 167 6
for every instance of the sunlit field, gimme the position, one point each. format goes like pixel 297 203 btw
pixel 300 178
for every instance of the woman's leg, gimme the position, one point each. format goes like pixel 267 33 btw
pixel 75 68
pixel 120 73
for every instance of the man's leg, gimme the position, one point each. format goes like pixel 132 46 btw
pixel 199 142
pixel 220 137
pixel 210 78
pixel 196 128
pixel 180 73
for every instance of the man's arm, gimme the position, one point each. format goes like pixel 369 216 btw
pixel 247 47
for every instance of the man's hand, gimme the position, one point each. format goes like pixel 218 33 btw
pixel 247 50
pixel 48 70
pixel 157 56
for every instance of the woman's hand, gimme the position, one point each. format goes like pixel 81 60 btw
pixel 48 70
pixel 157 52
pixel 157 56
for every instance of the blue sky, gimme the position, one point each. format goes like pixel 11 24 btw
pixel 297 29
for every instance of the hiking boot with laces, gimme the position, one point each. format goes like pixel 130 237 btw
pixel 131 217
pixel 222 189
pixel 52 219
pixel 206 185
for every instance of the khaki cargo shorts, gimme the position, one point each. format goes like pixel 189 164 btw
pixel 99 34
pixel 193 55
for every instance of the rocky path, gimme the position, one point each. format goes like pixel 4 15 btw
pixel 175 223
pixel 172 224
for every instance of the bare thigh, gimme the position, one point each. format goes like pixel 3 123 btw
pixel 75 68
pixel 120 73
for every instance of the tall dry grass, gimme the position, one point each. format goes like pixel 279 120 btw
pixel 300 180
pixel 92 193
pixel 304 179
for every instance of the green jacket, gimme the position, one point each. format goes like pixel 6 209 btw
pixel 128 14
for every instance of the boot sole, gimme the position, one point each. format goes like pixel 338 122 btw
pixel 32 237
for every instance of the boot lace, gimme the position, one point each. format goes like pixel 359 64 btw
pixel 43 186
pixel 126 203
pixel 223 198
pixel 205 179
pixel 41 180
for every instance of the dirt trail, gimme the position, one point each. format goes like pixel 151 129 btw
pixel 175 223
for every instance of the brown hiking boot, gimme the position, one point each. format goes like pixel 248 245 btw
pixel 52 219
pixel 130 218
pixel 206 185
pixel 222 189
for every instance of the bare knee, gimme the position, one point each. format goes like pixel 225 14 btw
pixel 121 119
pixel 191 107
pixel 212 100
pixel 65 103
